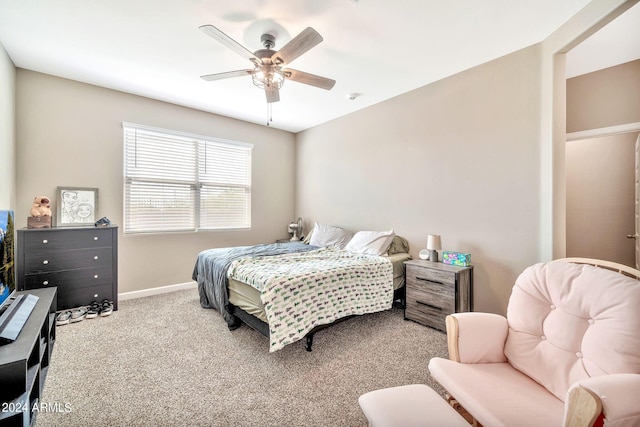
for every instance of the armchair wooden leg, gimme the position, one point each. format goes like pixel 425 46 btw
pixel 583 408
pixel 463 412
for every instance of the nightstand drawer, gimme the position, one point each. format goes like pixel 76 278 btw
pixel 426 315
pixel 418 275
pixel 430 304
pixel 440 295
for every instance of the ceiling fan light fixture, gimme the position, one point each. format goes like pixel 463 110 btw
pixel 267 72
pixel 269 76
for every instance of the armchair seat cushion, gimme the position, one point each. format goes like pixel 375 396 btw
pixel 483 387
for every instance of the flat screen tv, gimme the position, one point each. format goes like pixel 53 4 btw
pixel 7 278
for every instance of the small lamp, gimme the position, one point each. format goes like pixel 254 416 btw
pixel 434 244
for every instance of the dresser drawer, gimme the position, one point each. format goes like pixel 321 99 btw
pixel 40 262
pixel 70 297
pixel 50 240
pixel 65 279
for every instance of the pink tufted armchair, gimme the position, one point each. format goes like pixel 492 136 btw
pixel 566 354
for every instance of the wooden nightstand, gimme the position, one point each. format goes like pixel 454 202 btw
pixel 435 290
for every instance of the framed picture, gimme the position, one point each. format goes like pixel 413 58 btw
pixel 76 206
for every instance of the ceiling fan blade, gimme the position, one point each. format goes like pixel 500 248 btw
pixel 226 75
pixel 298 45
pixel 309 79
pixel 273 94
pixel 215 33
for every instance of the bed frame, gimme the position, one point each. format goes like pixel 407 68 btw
pixel 262 327
pixel 399 300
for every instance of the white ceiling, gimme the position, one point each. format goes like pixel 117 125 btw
pixel 374 48
pixel 616 43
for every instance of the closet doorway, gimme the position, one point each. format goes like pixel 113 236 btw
pixel 602 194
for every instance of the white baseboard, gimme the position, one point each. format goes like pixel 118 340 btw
pixel 156 291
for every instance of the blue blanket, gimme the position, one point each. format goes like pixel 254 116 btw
pixel 210 272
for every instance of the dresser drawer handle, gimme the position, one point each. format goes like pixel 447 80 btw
pixel 423 279
pixel 95 276
pixel 429 305
pixel 45 241
pixel 95 237
pixel 95 257
pixel 45 262
pixel 45 283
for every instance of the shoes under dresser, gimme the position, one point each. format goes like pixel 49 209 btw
pixel 82 262
pixel 435 290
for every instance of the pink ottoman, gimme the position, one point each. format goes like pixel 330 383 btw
pixel 415 405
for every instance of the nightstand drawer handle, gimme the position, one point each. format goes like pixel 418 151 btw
pixel 429 280
pixel 45 262
pixel 95 238
pixel 95 276
pixel 428 305
pixel 95 257
pixel 45 241
pixel 45 283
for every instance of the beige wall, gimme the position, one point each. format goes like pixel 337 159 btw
pixel 7 131
pixel 70 134
pixel 458 158
pixel 604 98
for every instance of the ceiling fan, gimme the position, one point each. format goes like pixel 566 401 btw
pixel 268 72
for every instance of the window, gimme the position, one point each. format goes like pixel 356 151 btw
pixel 181 182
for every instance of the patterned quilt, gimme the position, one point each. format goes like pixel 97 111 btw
pixel 210 271
pixel 303 290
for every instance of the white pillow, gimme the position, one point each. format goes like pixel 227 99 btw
pixel 371 242
pixel 328 235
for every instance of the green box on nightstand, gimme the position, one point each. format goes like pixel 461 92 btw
pixel 456 258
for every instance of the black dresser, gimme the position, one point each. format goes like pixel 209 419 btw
pixel 82 262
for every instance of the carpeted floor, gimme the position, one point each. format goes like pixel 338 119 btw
pixel 165 361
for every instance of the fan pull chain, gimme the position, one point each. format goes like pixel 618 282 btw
pixel 269 113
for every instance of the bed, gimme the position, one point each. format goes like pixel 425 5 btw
pixel 290 291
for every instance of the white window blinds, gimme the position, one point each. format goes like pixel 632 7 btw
pixel 180 182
